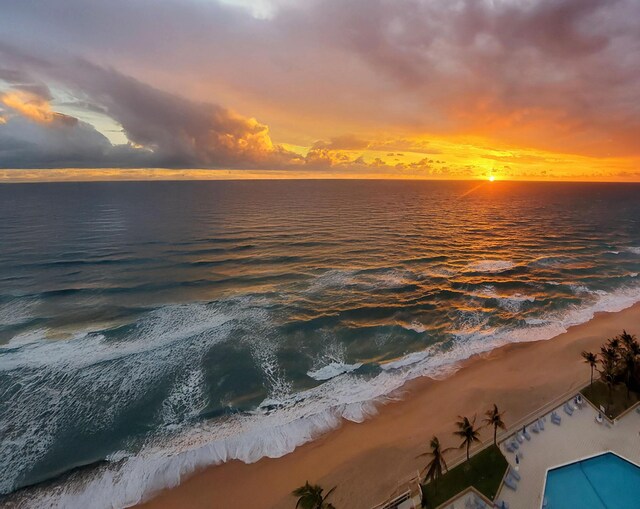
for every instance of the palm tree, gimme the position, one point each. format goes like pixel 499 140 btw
pixel 608 375
pixel 614 344
pixel 467 431
pixel 629 367
pixel 628 340
pixel 437 465
pixel 591 359
pixel 494 418
pixel 310 497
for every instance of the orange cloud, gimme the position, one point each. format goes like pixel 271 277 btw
pixel 32 106
pixel 28 105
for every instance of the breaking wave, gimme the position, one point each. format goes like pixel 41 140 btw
pixel 283 423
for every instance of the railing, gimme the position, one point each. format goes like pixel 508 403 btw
pixel 402 492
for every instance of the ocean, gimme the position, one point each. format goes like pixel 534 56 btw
pixel 148 329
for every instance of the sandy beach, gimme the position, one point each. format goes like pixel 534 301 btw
pixel 367 460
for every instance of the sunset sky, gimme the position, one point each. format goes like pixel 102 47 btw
pixel 448 89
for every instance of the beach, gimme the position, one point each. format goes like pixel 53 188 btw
pixel 366 461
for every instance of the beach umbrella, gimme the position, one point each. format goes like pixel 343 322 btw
pixel 517 460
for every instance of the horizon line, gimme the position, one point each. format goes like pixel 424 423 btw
pixel 59 175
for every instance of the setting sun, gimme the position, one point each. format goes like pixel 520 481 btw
pixel 491 178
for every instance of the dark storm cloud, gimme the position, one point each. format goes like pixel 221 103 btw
pixel 170 131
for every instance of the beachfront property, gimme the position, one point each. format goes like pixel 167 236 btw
pixel 567 455
pixel 581 450
pixel 578 459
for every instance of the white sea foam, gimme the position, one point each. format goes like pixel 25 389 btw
pixel 332 362
pixel 301 417
pixel 332 370
pixel 634 249
pixel 414 326
pixel 514 302
pixel 17 311
pixel 490 266
pixel 338 279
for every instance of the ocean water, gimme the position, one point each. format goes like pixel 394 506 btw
pixel 150 329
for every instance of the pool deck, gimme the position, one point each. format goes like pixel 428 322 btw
pixel 578 436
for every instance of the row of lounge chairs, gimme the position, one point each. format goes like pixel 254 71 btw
pixel 511 479
pixel 514 444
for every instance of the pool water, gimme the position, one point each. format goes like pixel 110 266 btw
pixel 603 482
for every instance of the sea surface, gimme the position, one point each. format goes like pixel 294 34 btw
pixel 148 329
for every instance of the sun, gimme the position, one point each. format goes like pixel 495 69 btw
pixel 491 178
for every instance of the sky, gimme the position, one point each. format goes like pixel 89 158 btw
pixel 442 89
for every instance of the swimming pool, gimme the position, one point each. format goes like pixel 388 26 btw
pixel 602 482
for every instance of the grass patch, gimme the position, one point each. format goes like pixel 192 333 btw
pixel 598 394
pixel 484 471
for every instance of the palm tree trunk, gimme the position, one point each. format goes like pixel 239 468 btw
pixel 591 384
pixel 495 435
pixel 468 444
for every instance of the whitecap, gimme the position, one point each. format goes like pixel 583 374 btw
pixel 414 326
pixel 332 370
pixel 296 418
pixel 491 266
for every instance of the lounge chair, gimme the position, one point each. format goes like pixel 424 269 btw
pixel 541 424
pixel 510 483
pixel 556 419
pixel 534 427
pixel 509 447
pixel 638 409
pixel 515 444
pixel 519 437
pixel 475 503
pixel 599 418
pixel 527 435
pixel 567 409
pixel 501 504
pixel 514 474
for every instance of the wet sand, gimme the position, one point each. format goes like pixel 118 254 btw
pixel 367 460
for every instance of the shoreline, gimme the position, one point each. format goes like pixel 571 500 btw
pixel 367 460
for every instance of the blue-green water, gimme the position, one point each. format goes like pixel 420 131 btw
pixel 602 482
pixel 166 326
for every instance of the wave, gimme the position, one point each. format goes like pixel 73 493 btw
pixel 332 370
pixel 287 420
pixel 491 266
pixel 414 326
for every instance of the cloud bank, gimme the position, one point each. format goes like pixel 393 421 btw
pixel 335 76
